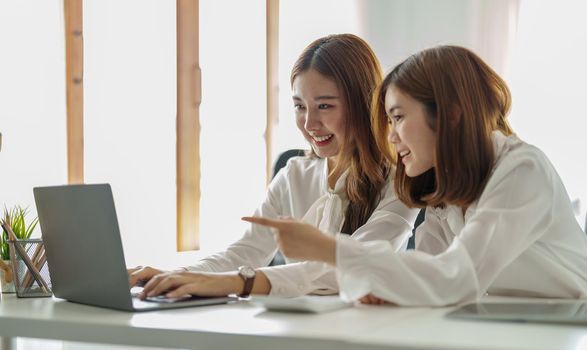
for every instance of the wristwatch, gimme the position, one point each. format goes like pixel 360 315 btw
pixel 248 274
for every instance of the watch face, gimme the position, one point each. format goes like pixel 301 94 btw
pixel 246 271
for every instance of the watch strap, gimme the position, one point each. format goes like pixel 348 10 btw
pixel 248 283
pixel 247 288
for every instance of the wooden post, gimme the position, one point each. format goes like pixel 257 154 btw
pixel 189 96
pixel 272 18
pixel 74 72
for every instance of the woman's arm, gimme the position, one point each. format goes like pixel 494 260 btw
pixel 510 216
pixel 391 222
pixel 180 283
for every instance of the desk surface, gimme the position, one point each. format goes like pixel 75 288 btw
pixel 249 326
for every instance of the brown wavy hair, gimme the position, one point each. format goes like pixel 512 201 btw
pixel 465 101
pixel 351 64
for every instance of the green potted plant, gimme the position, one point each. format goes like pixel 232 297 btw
pixel 17 219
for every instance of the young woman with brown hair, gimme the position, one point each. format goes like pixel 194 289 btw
pixel 498 218
pixel 341 187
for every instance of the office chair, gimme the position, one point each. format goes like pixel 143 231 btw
pixel 281 161
pixel 284 157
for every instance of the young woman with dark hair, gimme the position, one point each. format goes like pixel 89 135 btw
pixel 498 218
pixel 341 187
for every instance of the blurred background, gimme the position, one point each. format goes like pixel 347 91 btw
pixel 538 46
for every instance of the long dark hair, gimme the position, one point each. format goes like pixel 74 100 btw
pixel 351 64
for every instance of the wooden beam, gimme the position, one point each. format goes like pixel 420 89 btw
pixel 272 57
pixel 74 72
pixel 189 96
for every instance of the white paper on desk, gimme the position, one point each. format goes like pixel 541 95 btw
pixel 306 303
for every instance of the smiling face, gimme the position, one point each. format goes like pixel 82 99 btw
pixel 320 113
pixel 414 140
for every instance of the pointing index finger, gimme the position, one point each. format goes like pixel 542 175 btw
pixel 263 221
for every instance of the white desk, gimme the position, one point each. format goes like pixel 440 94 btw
pixel 246 326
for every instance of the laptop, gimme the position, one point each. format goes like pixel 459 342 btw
pixel 84 250
pixel 548 311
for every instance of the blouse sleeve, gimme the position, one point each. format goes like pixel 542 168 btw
pixel 511 214
pixel 390 223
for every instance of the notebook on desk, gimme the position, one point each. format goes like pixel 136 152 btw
pixel 302 304
pixel 548 311
pixel 84 250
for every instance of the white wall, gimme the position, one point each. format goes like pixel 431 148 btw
pixel 232 52
pixel 130 113
pixel 129 118
pixel 548 78
pixel 32 100
pixel 396 29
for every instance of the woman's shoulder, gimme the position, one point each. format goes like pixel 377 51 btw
pixel 304 164
pixel 512 152
pixel 302 168
pixel 519 166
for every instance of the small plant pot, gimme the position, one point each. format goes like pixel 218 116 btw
pixel 7 287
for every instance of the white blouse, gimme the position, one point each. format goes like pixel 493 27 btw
pixel 520 238
pixel 300 190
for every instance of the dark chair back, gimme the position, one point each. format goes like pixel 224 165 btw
pixel 280 163
pixel 284 157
